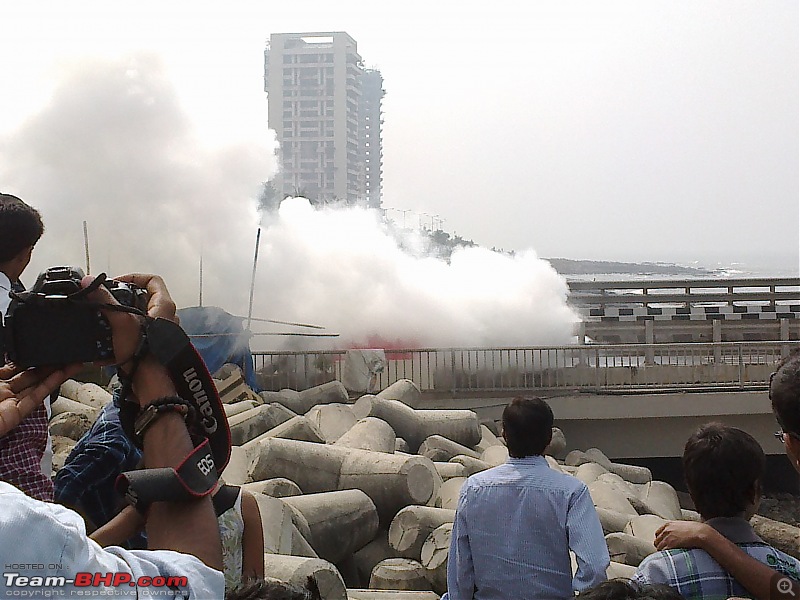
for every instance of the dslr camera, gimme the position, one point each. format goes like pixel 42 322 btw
pixel 53 323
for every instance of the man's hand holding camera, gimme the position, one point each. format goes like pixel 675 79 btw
pixel 22 390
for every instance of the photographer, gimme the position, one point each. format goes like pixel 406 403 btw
pixel 51 537
pixel 25 454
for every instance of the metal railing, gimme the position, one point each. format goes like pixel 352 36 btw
pixel 613 367
pixel 685 292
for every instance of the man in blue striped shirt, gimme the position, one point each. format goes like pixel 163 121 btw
pixel 516 524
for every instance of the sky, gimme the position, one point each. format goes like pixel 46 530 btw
pixel 608 130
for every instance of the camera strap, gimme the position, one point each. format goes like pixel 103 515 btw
pixel 170 346
pixel 194 478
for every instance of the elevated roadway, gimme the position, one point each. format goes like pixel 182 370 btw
pixel 688 310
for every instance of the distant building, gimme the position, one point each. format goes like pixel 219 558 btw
pixel 326 110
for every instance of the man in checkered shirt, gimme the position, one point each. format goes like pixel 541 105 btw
pixel 25 454
pixel 724 468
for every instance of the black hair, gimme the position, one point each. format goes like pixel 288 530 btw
pixel 784 393
pixel 723 467
pixel 20 226
pixel 527 426
pixel 272 589
pixel 623 589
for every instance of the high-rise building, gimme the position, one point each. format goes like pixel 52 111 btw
pixel 325 108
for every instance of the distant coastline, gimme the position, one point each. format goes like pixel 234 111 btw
pixel 610 270
pixel 567 266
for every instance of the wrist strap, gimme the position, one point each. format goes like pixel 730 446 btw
pixel 194 478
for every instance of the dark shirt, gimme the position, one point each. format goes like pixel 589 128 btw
pixel 86 482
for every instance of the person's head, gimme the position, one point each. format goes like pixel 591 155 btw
pixel 623 589
pixel 723 467
pixel 20 228
pixel 527 426
pixel 784 393
pixel 272 589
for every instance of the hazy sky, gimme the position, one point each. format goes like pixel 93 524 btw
pixel 624 130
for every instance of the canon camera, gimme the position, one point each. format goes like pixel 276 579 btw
pixel 54 323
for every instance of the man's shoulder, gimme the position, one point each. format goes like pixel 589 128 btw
pixel 671 566
pixel 534 475
pixel 774 558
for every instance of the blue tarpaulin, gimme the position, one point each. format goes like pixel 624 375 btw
pixel 219 338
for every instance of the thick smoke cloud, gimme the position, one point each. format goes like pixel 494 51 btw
pixel 345 268
pixel 113 147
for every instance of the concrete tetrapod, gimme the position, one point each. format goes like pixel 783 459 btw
pixel 392 481
pixel 238 407
pixel 441 449
pixel 496 456
pixel 340 522
pixel 448 470
pixel 627 549
pixel 412 526
pixel 644 527
pixel 296 428
pixel 296 570
pixel 662 499
pixel 449 493
pixel 558 445
pixel 89 394
pixel 280 528
pixel 631 473
pixel 589 472
pixel 607 495
pixel 434 557
pixel 371 434
pixel 302 402
pixel 249 424
pixel 414 426
pixel 71 425
pixel 399 574
pixel 402 390
pixel 332 420
pixel 488 439
pixel 471 465
pixel 370 555
pixel 62 446
pixel 611 520
pixel 64 404
pixel 279 487
pixel 620 571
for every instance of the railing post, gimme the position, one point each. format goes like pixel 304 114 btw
pixel 453 373
pixel 741 366
pixel 597 369
pixel 784 337
pixel 649 339
pixel 716 337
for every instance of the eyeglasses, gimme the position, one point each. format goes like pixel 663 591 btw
pixel 781 435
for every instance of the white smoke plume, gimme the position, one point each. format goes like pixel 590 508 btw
pixel 114 148
pixel 345 268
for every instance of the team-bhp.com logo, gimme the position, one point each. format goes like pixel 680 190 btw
pixel 33 586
